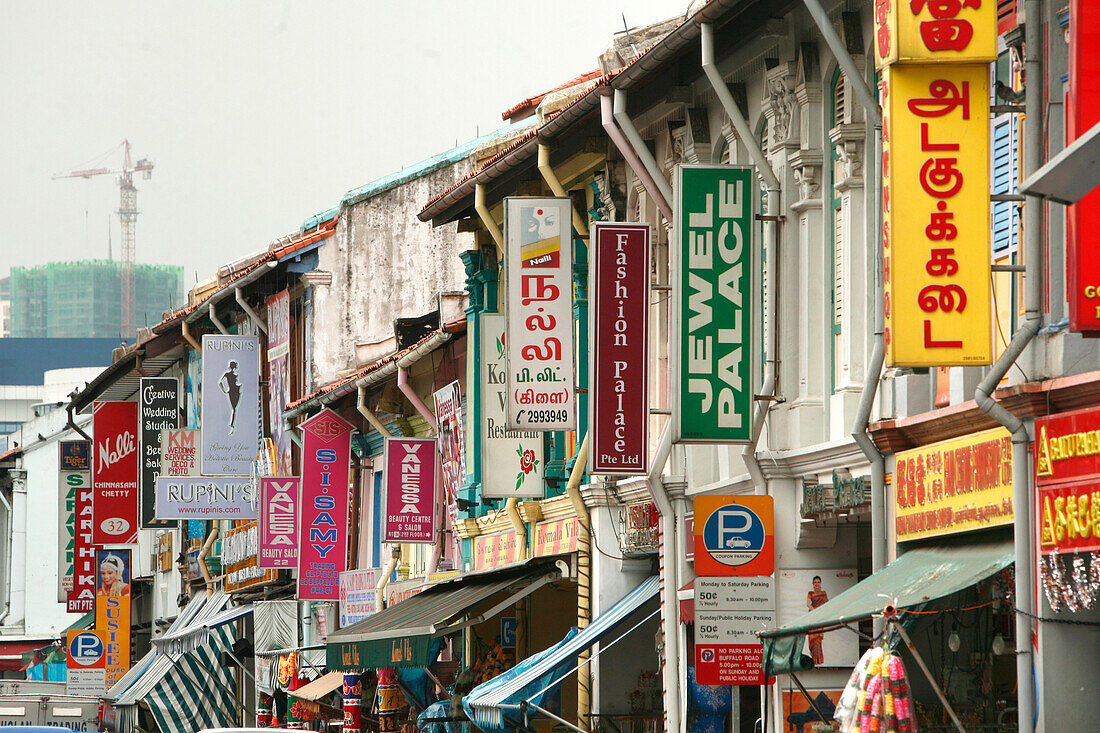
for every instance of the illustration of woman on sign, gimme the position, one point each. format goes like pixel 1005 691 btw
pixel 112 577
pixel 231 386
pixel 816 597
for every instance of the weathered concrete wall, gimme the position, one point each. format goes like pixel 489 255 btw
pixel 385 264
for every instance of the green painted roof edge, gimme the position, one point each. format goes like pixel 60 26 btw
pixel 424 167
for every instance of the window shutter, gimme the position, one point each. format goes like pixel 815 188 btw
pixel 1005 172
pixel 1006 15
pixel 838 268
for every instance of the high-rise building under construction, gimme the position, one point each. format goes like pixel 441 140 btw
pixel 84 299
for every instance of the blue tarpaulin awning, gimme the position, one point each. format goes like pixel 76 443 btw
pixel 532 678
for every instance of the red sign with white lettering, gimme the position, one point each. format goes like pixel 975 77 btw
pixel 620 341
pixel 323 550
pixel 115 473
pixel 729 664
pixel 1083 107
pixel 81 599
pixel 410 490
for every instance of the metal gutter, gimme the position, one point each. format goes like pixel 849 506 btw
pixel 260 268
pixel 629 77
pixel 551 178
pixel 73 426
pixel 214 318
pixel 381 372
pixel 584 577
pixel 607 120
pixel 771 247
pixel 104 379
pixel 845 61
pixel 185 331
pixel 873 374
pixel 983 394
pixel 486 217
pixel 368 414
pixel 622 119
pixel 670 607
pixel 259 322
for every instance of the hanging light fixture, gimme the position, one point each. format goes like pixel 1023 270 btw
pixel 953 641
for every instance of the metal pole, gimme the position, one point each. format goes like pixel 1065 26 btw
pixel 810 700
pixel 844 59
pixel 878 348
pixel 927 673
pixel 983 394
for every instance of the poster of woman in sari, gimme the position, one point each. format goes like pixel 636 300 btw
pixel 802 591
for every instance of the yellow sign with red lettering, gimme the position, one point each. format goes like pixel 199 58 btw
pixel 935 202
pixel 954 486
pixel 923 31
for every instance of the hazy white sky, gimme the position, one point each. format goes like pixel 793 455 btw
pixel 256 114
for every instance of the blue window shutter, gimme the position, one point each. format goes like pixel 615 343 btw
pixel 1004 173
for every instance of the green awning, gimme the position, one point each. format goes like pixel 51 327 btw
pixel 921 575
pixel 86 621
pixel 400 636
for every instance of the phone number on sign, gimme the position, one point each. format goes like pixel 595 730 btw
pixel 541 416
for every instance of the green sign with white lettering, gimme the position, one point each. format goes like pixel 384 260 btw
pixel 403 651
pixel 713 386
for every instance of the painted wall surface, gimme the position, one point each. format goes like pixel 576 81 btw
pixel 407 263
pixel 34 606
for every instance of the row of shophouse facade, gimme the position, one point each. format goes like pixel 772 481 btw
pixel 389 310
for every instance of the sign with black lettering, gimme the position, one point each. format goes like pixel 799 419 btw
pixel 158 410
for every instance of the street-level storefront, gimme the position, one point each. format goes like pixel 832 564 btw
pixel 464 632
pixel 1066 460
pixel 183 685
pixel 948 588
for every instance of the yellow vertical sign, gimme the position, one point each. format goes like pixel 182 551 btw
pixel 922 31
pixel 112 610
pixel 935 204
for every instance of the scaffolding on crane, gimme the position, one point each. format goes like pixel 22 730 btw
pixel 127 215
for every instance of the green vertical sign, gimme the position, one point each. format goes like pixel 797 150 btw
pixel 712 368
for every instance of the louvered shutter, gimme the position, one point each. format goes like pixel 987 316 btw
pixel 1005 172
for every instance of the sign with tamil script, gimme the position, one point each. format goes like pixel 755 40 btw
pixel 539 260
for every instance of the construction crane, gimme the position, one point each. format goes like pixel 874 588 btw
pixel 127 215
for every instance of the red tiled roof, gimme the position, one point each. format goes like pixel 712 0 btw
pixel 10 453
pixel 322 232
pixel 586 98
pixel 462 181
pixel 532 102
pixel 363 371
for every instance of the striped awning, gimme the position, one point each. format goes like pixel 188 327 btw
pixel 197 692
pixel 180 641
pixel 192 691
pixel 136 682
pixel 483 703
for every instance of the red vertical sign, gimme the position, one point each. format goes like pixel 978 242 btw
pixel 115 473
pixel 619 326
pixel 279 522
pixel 410 490
pixel 1083 242
pixel 323 539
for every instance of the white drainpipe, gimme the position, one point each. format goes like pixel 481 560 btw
pixel 771 246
